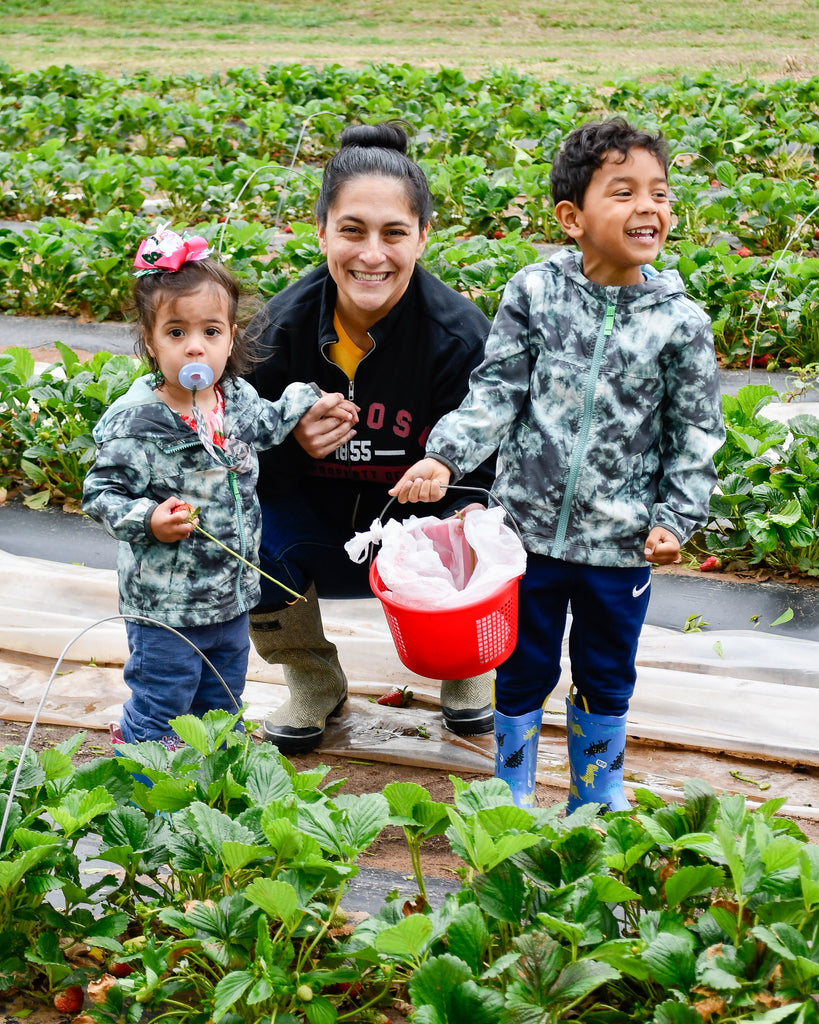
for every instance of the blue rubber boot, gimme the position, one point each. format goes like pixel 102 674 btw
pixel 597 745
pixel 516 754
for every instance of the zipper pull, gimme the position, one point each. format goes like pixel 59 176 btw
pixel 609 324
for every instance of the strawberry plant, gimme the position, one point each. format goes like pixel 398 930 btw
pixel 45 433
pixel 766 508
pixel 225 905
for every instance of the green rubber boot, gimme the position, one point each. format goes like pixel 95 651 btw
pixel 516 742
pixel 294 638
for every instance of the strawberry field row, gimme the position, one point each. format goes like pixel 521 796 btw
pixel 91 159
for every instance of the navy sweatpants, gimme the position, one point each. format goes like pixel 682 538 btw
pixel 608 607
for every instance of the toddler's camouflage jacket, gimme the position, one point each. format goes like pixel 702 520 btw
pixel 145 454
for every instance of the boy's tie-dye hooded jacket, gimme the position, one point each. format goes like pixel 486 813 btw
pixel 604 404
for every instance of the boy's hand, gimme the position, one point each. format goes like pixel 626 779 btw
pixel 662 547
pixel 170 521
pixel 422 482
pixel 326 425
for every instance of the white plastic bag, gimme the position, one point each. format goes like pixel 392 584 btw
pixel 433 563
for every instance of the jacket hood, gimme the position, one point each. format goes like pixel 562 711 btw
pixel 149 415
pixel 656 288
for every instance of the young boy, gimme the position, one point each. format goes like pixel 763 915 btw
pixel 599 388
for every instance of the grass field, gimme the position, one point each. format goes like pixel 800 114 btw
pixel 584 40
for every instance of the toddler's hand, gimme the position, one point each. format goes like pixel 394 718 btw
pixel 422 482
pixel 170 521
pixel 662 547
pixel 327 425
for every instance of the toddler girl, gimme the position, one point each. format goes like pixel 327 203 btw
pixel 185 436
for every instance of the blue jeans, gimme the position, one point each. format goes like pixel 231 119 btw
pixel 299 547
pixel 608 610
pixel 167 677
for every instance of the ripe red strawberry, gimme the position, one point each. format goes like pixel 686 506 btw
pixel 396 698
pixel 70 1000
pixel 744 251
pixel 710 563
pixel 499 234
pixel 120 969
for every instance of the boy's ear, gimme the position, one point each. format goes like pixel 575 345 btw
pixel 569 216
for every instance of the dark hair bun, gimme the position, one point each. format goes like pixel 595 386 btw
pixel 387 135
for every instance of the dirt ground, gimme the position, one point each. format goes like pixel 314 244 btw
pixel 389 851
pixel 364 776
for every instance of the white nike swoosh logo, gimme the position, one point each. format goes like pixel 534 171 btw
pixel 641 590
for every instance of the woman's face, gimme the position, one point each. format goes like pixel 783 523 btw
pixel 371 241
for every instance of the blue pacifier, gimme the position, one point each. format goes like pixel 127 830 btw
pixel 195 376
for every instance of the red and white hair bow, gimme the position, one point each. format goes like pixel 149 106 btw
pixel 165 250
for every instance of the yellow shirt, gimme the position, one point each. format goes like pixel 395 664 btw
pixel 344 352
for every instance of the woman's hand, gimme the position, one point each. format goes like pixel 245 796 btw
pixel 326 425
pixel 171 521
pixel 662 547
pixel 422 482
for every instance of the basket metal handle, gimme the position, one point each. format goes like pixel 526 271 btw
pixel 460 487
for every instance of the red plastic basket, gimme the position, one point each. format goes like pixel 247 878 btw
pixel 452 643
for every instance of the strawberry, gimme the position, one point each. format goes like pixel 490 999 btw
pixel 70 1000
pixel 744 251
pixel 193 513
pixel 396 698
pixel 710 563
pixel 499 234
pixel 120 969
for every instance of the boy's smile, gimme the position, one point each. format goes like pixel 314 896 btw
pixel 625 218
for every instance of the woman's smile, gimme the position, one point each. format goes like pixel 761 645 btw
pixel 372 241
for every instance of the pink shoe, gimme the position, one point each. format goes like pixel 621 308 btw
pixel 115 732
pixel 171 743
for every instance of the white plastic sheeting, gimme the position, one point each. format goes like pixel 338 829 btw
pixel 755 695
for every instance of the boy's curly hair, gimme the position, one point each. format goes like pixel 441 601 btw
pixel 585 148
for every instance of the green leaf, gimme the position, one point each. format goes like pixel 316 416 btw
pixel 674 1012
pixel 364 818
pixel 671 961
pixel 786 616
pixel 229 990
pixel 402 798
pixel 407 939
pixel 432 984
pixel 726 173
pixel 320 1011
pixel 283 837
pixel 78 808
pixel 13 872
pixel 611 890
pixel 501 893
pixel 238 855
pixel 578 979
pixel 691 881
pixel 278 900
pixel 193 731
pixel 468 937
